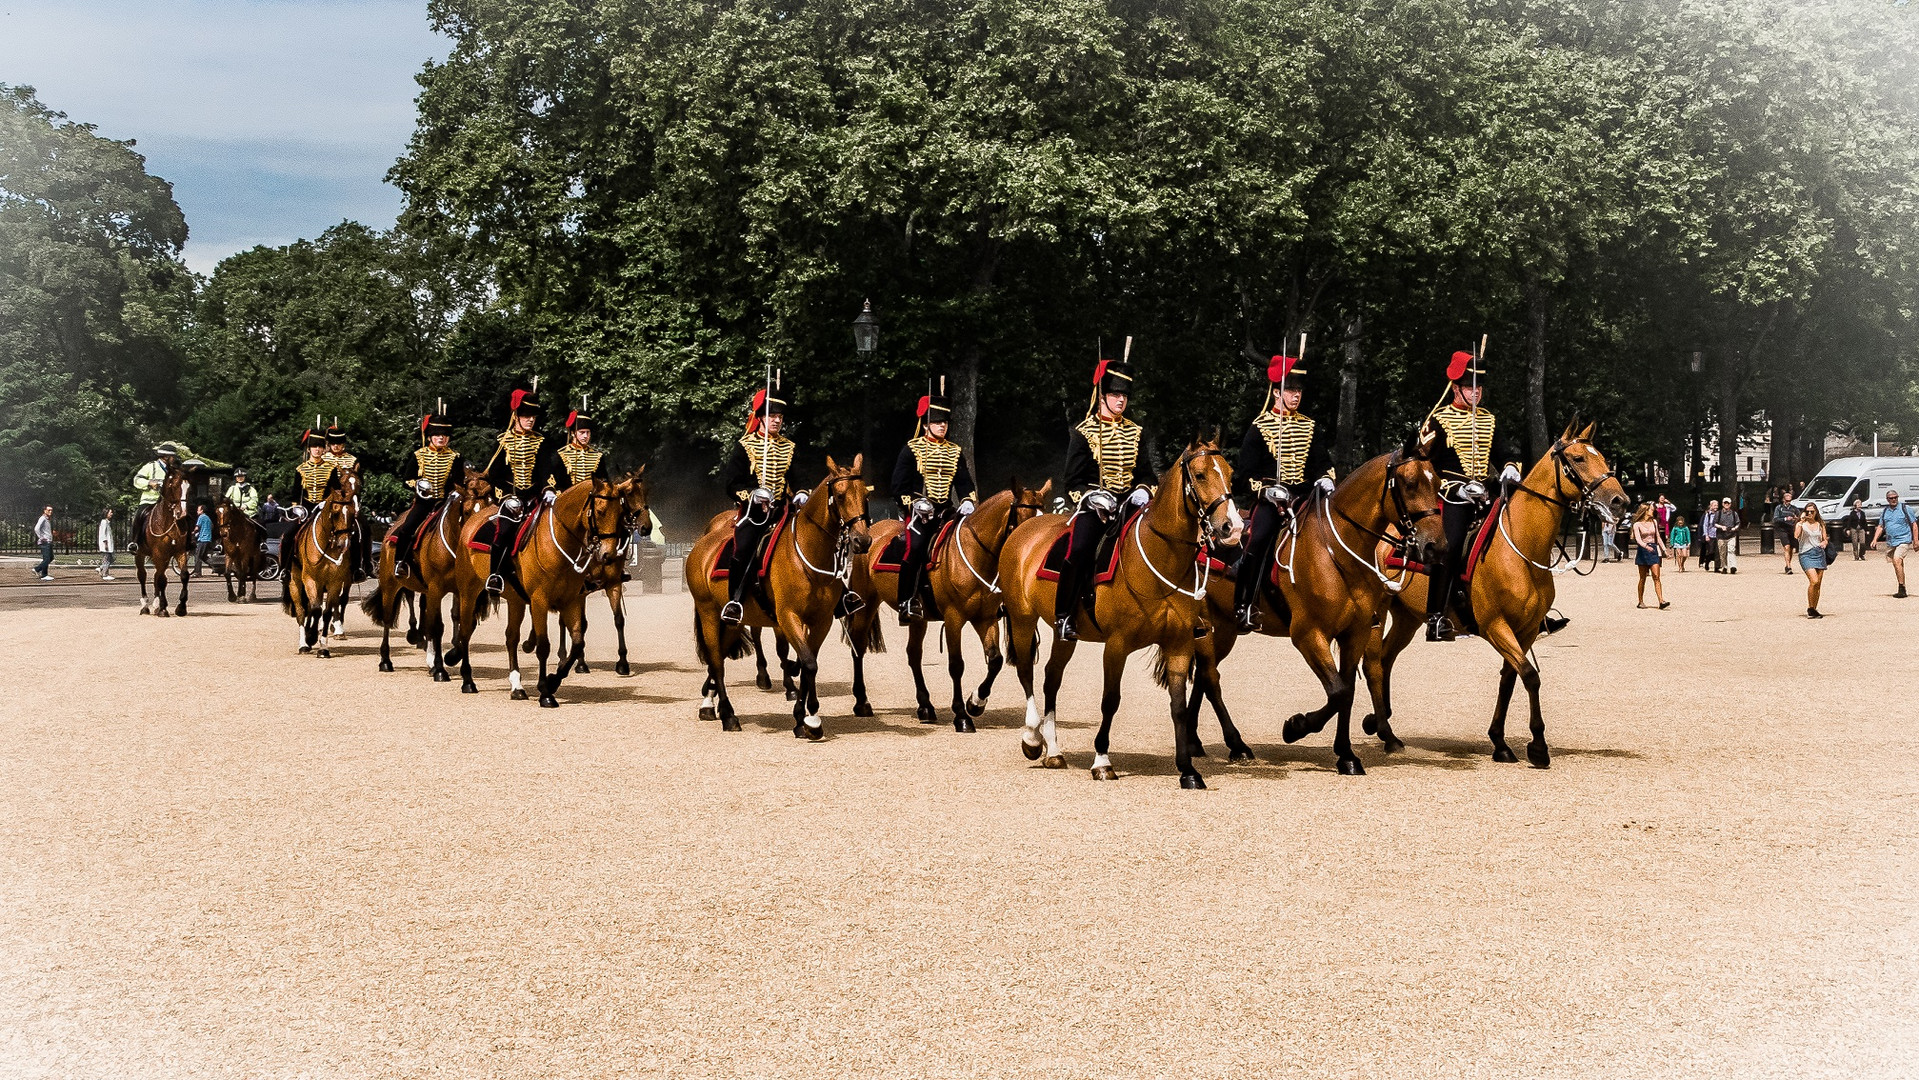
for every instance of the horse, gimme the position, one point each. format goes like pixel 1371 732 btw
pixel 316 579
pixel 580 529
pixel 1327 591
pixel 809 564
pixel 244 554
pixel 433 577
pixel 1511 589
pixel 1155 598
pixel 966 592
pixel 609 576
pixel 164 541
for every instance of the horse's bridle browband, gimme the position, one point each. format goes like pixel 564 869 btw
pixel 1187 484
pixel 1563 469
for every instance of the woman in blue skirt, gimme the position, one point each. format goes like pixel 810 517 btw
pixel 1649 550
pixel 1811 534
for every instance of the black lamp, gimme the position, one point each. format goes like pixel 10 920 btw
pixel 866 331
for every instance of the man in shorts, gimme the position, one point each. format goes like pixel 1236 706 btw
pixel 1895 528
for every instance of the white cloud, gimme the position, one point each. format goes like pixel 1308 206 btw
pixel 273 120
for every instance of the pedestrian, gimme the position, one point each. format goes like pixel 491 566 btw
pixel 1785 521
pixel 202 541
pixel 1895 528
pixel 1649 550
pixel 270 512
pixel 1662 512
pixel 1729 524
pixel 1811 534
pixel 106 544
pixel 1858 530
pixel 43 535
pixel 1680 541
pixel 1709 537
pixel 1606 537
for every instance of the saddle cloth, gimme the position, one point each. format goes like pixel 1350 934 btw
pixel 1105 556
pixel 1477 537
pixel 479 542
pixel 722 567
pixel 894 555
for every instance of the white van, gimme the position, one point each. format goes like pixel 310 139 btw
pixel 1867 478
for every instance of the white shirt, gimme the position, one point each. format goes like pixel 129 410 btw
pixel 43 529
pixel 106 535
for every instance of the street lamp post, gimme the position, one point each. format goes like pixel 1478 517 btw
pixel 866 332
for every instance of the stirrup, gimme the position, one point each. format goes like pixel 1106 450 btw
pixel 1439 628
pixel 495 584
pixel 1065 629
pixel 734 612
pixel 1247 618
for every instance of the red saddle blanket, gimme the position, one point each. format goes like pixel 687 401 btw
pixel 1476 546
pixel 1107 559
pixel 722 567
pixel 894 555
pixel 480 543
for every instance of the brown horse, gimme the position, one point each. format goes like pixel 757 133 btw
pixel 811 560
pixel 609 576
pixel 165 541
pixel 319 573
pixel 1328 592
pixel 433 576
pixel 1154 599
pixel 581 528
pixel 966 592
pixel 243 550
pixel 1511 589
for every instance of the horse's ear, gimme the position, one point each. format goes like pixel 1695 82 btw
pixel 1587 435
pixel 639 472
pixel 1214 439
pixel 1570 424
pixel 831 466
pixel 1046 489
pixel 859 460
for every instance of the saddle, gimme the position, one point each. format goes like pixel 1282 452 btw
pixel 1479 532
pixel 520 537
pixel 722 568
pixel 893 556
pixel 1105 555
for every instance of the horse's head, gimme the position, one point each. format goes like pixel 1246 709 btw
pixel 636 513
pixel 1412 489
pixel 477 488
pixel 1578 461
pixel 1206 485
pixel 845 493
pixel 1028 503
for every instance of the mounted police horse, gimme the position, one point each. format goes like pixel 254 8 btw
pixel 164 540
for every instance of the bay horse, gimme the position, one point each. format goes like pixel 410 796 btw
pixel 1511 588
pixel 433 576
pixel 966 592
pixel 241 543
pixel 1328 593
pixel 609 576
pixel 316 579
pixel 164 541
pixel 808 567
pixel 1155 598
pixel 565 543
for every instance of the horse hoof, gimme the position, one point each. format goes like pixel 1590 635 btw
pixel 453 658
pixel 1053 762
pixel 1105 772
pixel 708 712
pixel 326 654
pixel 864 708
pixel 163 613
pixel 1504 754
pixel 547 702
pixel 1031 750
pixel 1370 725
pixel 729 723
pixel 1295 728
pixel 964 725
pixel 812 734
pixel 441 676
pixel 518 695
pixel 975 709
pixel 622 668
pixel 1538 755
pixel 1241 757
pixel 582 668
pixel 928 714
pixel 762 680
pixel 386 665
pixel 468 688
pixel 1391 745
pixel 548 686
pixel 1351 767
pixel 1192 782
pixel 792 694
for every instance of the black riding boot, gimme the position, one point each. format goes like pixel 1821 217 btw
pixel 742 574
pixel 1261 537
pixel 503 531
pixel 1455 518
pixel 139 533
pixel 913 573
pixel 1072 590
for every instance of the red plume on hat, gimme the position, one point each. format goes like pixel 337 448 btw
pixel 1280 367
pixel 759 402
pixel 570 417
pixel 926 402
pixel 1099 372
pixel 425 420
pixel 1461 361
pixel 518 397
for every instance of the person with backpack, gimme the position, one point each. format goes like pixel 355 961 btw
pixel 1895 528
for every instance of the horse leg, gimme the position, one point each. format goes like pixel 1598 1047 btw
pixel 1022 641
pixel 1382 652
pixel 989 639
pixel 956 670
pixel 1317 648
pixel 1497 732
pixel 1351 648
pixel 515 611
pixel 1536 750
pixel 760 678
pixel 915 653
pixel 1047 721
pixel 1206 685
pixel 616 599
pixel 569 619
pixel 386 635
pixel 413 635
pixel 140 571
pixel 160 589
pixel 326 615
pixel 226 575
pixel 567 635
pixel 181 609
pixel 1179 668
pixel 789 669
pixel 1115 666
pixel 433 633
pixel 856 633
pixel 806 704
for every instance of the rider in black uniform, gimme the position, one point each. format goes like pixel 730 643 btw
pixel 522 467
pixel 756 474
pixel 1463 460
pixel 930 474
pixel 579 457
pixel 1280 453
pixel 432 472
pixel 1103 464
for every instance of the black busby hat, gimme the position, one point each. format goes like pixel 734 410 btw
pixel 1465 367
pixel 769 400
pixel 310 437
pixel 525 403
pixel 436 424
pixel 578 418
pixel 336 433
pixel 934 409
pixel 1113 377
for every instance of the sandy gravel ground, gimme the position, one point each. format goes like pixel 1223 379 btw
pixel 221 859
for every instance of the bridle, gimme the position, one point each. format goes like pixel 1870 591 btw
pixel 838 526
pixel 340 502
pixel 1563 471
pixel 1405 520
pixel 1189 498
pixel 1012 513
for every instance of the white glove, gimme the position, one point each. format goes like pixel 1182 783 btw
pixel 1099 501
pixel 800 498
pixel 549 496
pixel 922 508
pixel 1474 490
pixel 1510 474
pixel 966 507
pixel 510 506
pixel 761 496
pixel 1139 497
pixel 424 489
pixel 1275 494
pixel 1325 484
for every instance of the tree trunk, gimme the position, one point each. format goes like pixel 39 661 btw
pixel 964 387
pixel 1536 429
pixel 1346 446
pixel 1729 431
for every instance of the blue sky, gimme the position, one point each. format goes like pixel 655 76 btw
pixel 274 119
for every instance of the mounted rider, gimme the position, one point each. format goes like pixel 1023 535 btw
pixel 336 452
pixel 243 494
pixel 1464 461
pixel 1103 468
pixel 315 476
pixel 1281 453
pixel 929 476
pixel 521 469
pixel 579 458
pixel 148 481
pixel 433 472
pixel 756 474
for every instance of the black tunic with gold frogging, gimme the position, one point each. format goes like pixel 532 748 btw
pixel 582 463
pixel 522 463
pixel 934 469
pixel 315 476
pixel 760 462
pixel 433 466
pixel 1281 448
pixel 1105 454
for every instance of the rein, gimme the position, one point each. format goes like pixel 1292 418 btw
pixel 1564 561
pixel 1203 568
pixel 1405 522
pixel 312 534
pixel 967 524
pixel 835 527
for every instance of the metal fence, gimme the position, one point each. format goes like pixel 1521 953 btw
pixel 72 533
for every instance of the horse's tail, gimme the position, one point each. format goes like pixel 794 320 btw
pixel 377 607
pixel 742 645
pixel 875 634
pixel 1160 678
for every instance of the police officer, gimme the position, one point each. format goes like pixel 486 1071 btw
pixel 148 481
pixel 1463 461
pixel 580 459
pixel 432 471
pixel 756 474
pixel 243 495
pixel 521 470
pixel 1103 467
pixel 1280 454
pixel 930 474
